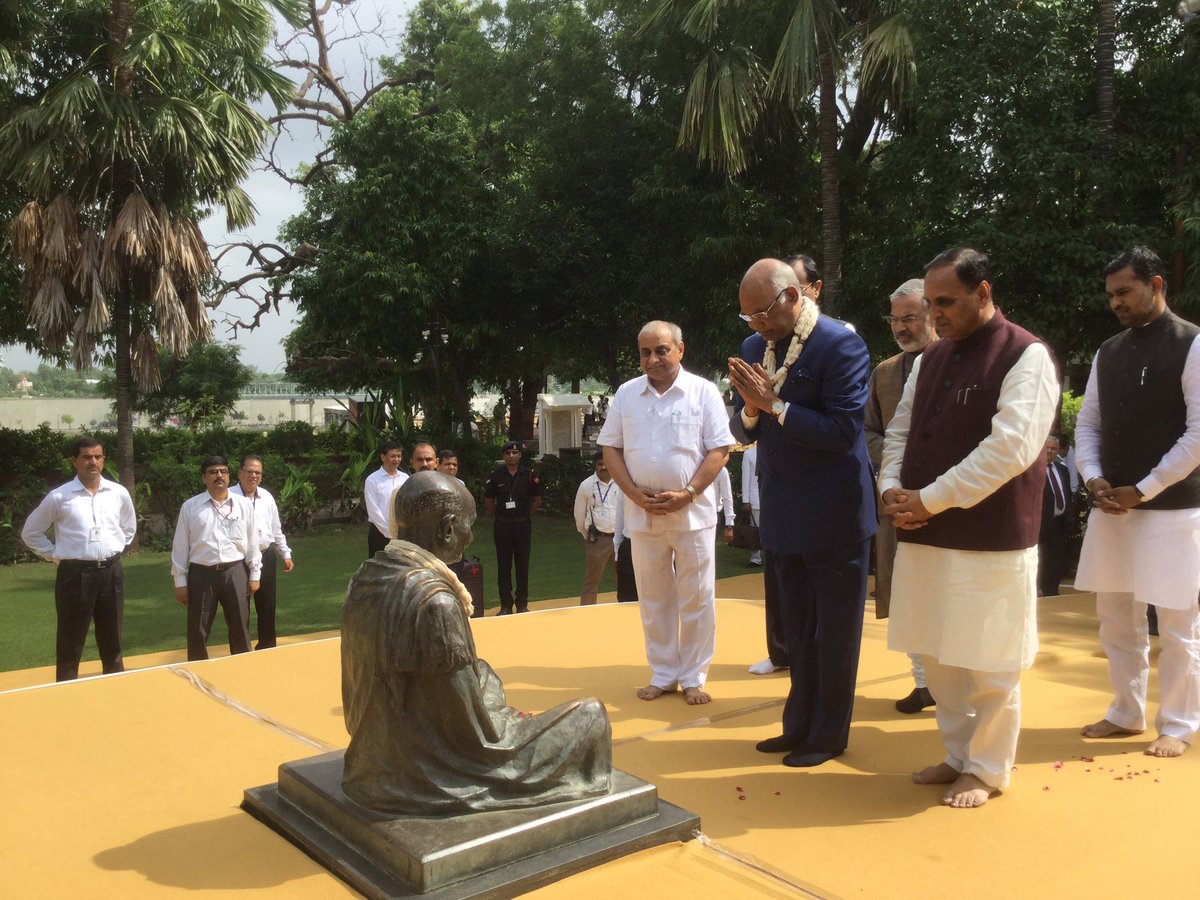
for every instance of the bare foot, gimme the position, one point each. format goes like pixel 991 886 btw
pixel 942 773
pixel 1105 728
pixel 696 696
pixel 1165 746
pixel 653 692
pixel 967 793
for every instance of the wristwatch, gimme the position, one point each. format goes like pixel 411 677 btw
pixel 691 493
pixel 777 407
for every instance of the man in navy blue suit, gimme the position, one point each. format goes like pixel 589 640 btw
pixel 802 385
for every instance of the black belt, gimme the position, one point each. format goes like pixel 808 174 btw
pixel 512 518
pixel 220 567
pixel 90 563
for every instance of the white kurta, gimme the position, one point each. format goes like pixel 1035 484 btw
pixel 1153 554
pixel 969 608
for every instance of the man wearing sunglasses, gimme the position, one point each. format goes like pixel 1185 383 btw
pixel 802 385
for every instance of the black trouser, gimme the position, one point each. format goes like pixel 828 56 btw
pixel 626 582
pixel 264 600
pixel 821 597
pixel 513 539
pixel 86 591
pixel 777 648
pixel 1052 556
pixel 376 540
pixel 209 586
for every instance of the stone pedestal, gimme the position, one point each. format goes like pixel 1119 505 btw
pixel 488 854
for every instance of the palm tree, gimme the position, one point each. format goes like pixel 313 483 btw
pixel 822 45
pixel 129 120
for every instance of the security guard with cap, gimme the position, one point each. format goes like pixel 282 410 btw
pixel 513 494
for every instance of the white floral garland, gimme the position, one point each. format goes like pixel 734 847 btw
pixel 805 323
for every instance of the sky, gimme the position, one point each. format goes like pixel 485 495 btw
pixel 276 200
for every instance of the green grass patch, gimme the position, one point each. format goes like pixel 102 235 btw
pixel 310 596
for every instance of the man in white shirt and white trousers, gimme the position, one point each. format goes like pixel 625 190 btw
pixel 962 476
pixel 665 439
pixel 1138 447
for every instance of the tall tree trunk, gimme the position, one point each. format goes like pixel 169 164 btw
pixel 1106 48
pixel 124 174
pixel 831 193
pixel 1106 45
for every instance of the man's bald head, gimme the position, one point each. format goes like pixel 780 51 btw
pixel 771 296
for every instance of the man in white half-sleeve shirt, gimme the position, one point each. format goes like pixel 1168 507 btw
pixel 1138 447
pixel 94 521
pixel 665 439
pixel 596 503
pixel 271 543
pixel 215 560
pixel 377 495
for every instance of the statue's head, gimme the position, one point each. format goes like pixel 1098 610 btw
pixel 435 512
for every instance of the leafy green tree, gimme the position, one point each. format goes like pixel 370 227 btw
pixel 763 60
pixel 1013 159
pixel 199 389
pixel 127 120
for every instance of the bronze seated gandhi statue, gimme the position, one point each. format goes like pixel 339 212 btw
pixel 430 731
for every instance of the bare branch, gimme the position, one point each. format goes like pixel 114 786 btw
pixel 320 101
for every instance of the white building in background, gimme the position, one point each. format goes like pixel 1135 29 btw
pixel 560 422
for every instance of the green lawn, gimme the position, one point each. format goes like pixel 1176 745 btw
pixel 310 597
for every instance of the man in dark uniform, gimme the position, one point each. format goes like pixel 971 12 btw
pixel 513 493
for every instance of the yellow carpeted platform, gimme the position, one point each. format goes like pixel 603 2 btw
pixel 129 785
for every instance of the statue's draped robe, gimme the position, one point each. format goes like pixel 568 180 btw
pixel 431 733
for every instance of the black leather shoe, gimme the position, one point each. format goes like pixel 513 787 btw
pixel 919 699
pixel 505 612
pixel 781 744
pixel 807 757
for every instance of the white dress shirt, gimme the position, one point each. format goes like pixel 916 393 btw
pixel 596 504
pixel 208 533
pixel 267 526
pixel 377 493
pixel 750 476
pixel 664 438
pixel 724 491
pixel 86 526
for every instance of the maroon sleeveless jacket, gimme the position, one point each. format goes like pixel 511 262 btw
pixel 957 394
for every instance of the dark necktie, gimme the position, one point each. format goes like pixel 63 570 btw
pixel 1060 503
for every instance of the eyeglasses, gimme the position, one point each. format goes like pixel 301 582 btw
pixel 761 315
pixel 250 473
pixel 910 319
pixel 217 472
